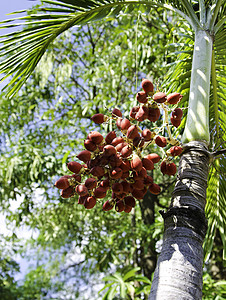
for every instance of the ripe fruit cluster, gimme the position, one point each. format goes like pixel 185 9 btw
pixel 115 165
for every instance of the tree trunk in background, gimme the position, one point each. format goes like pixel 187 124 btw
pixel 179 268
pixel 148 257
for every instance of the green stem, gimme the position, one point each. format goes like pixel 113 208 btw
pixel 202 9
pixel 197 123
pixel 212 14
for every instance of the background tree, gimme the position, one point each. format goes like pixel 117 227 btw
pixel 184 61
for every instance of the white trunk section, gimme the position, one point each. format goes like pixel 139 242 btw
pixel 197 124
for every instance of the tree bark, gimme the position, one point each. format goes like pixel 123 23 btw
pixel 148 257
pixel 178 274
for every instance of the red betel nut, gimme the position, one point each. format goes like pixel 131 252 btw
pixel 142 97
pixel 99 118
pixel 159 97
pixel 90 202
pixel 174 98
pixel 160 141
pixel 147 85
pixel 116 112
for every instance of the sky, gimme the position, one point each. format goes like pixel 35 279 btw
pixel 8 6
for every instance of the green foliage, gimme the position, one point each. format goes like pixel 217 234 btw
pixel 213 290
pixel 127 284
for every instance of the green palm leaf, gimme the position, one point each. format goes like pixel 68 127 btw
pixel 23 49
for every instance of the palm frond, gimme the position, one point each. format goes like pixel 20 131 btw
pixel 23 49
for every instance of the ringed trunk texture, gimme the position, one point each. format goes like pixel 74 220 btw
pixel 178 274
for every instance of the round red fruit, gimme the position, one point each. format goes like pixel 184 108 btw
pixel 153 114
pixel 147 134
pixel 99 118
pixel 147 86
pixel 116 112
pixel 175 122
pixel 160 141
pixel 130 201
pixel 74 166
pixel 120 206
pixel 110 136
pixel 174 98
pixel 81 189
pixel 107 206
pixel 155 189
pixel 90 202
pixel 142 97
pixel 84 156
pixel 177 113
pixel 95 137
pixel 159 97
pixel 62 183
pixel 90 183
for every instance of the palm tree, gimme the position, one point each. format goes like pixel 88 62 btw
pixel 178 273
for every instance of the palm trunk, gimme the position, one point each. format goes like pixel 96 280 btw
pixel 179 270
pixel 178 274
